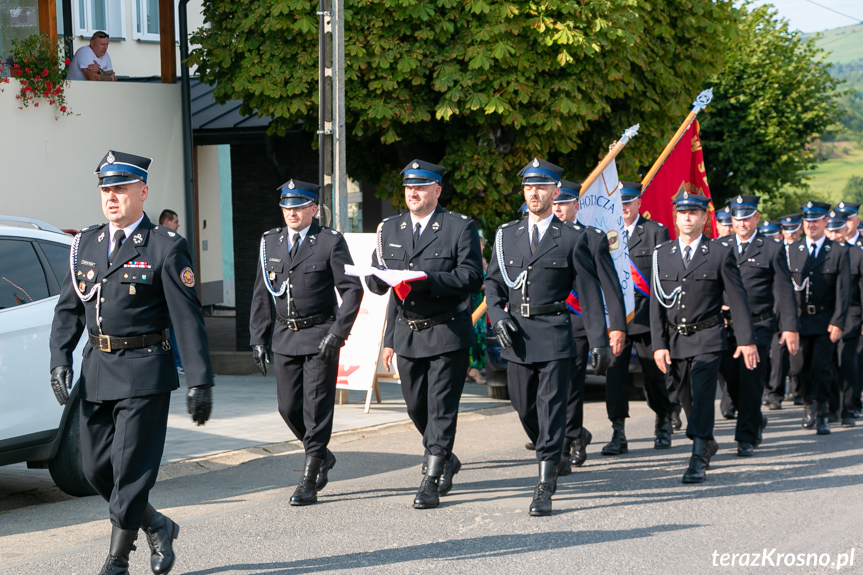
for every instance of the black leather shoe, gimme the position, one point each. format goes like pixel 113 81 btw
pixel 696 472
pixel 122 544
pixel 306 493
pixel 745 449
pixel 774 405
pixel 809 411
pixel 425 463
pixel 848 421
pixel 822 420
pixel 160 533
pixel 530 446
pixel 676 422
pixel 730 414
pixel 618 443
pixel 450 468
pixel 565 465
pixel 798 400
pixel 329 463
pixel 579 447
pixel 545 487
pixel 662 431
pixel 427 496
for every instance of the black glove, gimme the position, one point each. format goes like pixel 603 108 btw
pixel 199 402
pixel 502 330
pixel 600 359
pixel 329 348
pixel 61 381
pixel 261 355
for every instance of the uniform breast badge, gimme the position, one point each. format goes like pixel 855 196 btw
pixel 82 287
pixel 187 276
pixel 132 289
pixel 91 274
pixel 272 276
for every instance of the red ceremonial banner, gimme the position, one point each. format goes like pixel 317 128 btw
pixel 683 169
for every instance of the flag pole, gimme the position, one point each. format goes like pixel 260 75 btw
pixel 700 103
pixel 628 134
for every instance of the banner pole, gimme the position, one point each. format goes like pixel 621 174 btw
pixel 700 103
pixel 628 134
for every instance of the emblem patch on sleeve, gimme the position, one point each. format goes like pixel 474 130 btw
pixel 187 276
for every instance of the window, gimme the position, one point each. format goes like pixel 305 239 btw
pixel 58 258
pixel 145 20
pixel 94 15
pixel 22 279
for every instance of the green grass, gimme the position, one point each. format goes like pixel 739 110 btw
pixel 830 177
pixel 845 44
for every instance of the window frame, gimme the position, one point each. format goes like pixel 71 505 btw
pixel 115 19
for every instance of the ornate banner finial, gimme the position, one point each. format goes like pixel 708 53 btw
pixel 702 100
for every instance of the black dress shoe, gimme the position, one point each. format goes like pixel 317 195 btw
pixel 730 414
pixel 160 532
pixel 676 422
pixel 809 411
pixel 662 432
pixel 822 420
pixel 774 405
pixel 450 468
pixel 579 447
pixel 545 487
pixel 428 497
pixel 329 463
pixel 848 421
pixel 306 493
pixel 425 463
pixel 696 472
pixel 122 544
pixel 798 400
pixel 618 443
pixel 530 446
pixel 745 449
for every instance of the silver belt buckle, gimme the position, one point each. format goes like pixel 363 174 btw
pixel 105 343
pixel 412 324
pixel 810 309
pixel 292 325
pixel 525 310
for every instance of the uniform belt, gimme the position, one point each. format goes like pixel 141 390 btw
pixel 421 324
pixel 109 343
pixel 691 328
pixel 304 322
pixel 755 318
pixel 528 310
pixel 814 309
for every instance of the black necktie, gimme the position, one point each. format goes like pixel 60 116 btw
pixel 295 246
pixel 626 234
pixel 812 250
pixel 416 234
pixel 118 241
pixel 534 238
pixel 743 246
pixel 686 257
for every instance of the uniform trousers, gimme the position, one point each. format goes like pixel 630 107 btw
pixel 539 395
pixel 845 382
pixel 617 379
pixel 745 387
pixel 780 362
pixel 814 367
pixel 121 448
pixel 575 395
pixel 694 381
pixel 306 392
pixel 432 388
pixel 858 388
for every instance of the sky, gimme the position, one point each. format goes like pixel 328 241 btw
pixel 808 16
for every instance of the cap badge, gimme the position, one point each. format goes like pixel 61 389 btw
pixel 138 239
pixel 739 199
pixel 685 195
pixel 841 204
pixel 110 158
pixel 415 165
pixel 101 237
pixel 809 205
pixel 291 185
pixel 787 220
pixel 535 163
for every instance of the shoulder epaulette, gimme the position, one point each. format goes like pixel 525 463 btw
pixel 462 216
pixel 777 241
pixel 165 231
pixel 392 217
pixel 725 244
pixel 272 231
pixel 94 227
pixel 509 224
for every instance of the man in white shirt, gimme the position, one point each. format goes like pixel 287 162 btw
pixel 93 62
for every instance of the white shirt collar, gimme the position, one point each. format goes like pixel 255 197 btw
pixel 853 240
pixel 303 232
pixel 423 222
pixel 693 245
pixel 542 226
pixel 630 229
pixel 818 244
pixel 749 241
pixel 127 230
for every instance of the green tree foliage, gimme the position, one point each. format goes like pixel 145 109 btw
pixel 772 100
pixel 853 189
pixel 479 86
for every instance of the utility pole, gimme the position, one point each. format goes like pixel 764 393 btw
pixel 331 133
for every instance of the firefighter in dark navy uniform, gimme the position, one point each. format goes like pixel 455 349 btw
pixel 690 276
pixel 822 277
pixel 299 267
pixel 764 271
pixel 577 438
pixel 723 222
pixel 429 328
pixel 129 281
pixel 853 237
pixel 643 236
pixel 535 264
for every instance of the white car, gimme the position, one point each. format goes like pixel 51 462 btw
pixel 34 260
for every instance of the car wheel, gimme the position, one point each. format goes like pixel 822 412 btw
pixel 66 469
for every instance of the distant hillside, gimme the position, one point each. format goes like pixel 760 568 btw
pixel 845 44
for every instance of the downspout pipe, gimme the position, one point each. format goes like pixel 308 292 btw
pixel 188 172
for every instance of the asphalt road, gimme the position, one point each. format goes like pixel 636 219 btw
pixel 800 494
